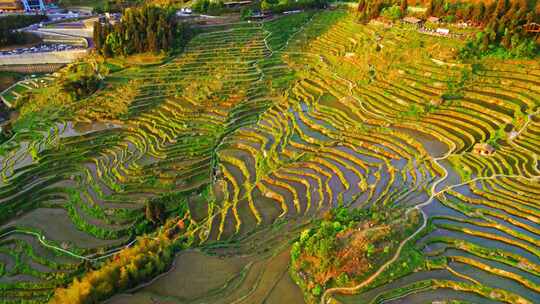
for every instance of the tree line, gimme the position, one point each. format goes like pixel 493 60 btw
pixel 151 255
pixel 9 23
pixel 141 29
pixel 128 268
pixel 279 6
pixel 275 6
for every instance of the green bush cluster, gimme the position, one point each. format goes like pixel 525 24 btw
pixel 391 9
pixel 209 7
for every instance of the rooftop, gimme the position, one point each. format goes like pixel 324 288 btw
pixel 412 20
pixel 483 149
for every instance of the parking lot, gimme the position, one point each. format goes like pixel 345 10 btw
pixel 40 48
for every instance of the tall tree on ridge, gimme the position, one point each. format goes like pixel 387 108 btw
pixel 403 7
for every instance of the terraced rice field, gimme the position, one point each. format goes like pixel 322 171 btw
pixel 263 127
pixel 15 91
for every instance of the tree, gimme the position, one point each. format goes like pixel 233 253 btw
pixel 97 35
pixel 393 12
pixel 506 40
pixel 439 8
pixel 114 43
pixel 485 43
pixel 152 40
pixel 515 41
pixel 403 7
pixel 490 10
pixel 375 9
pixel 265 5
pixel 500 9
pixel 155 211
pixel 370 250
pixel 478 12
pixel 361 6
pixel 429 8
pixel 466 13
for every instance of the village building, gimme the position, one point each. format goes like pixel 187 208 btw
pixel 413 21
pixel 433 19
pixel 436 102
pixel 483 149
pixel 442 31
pixel 18 5
pixel 532 27
pixel 10 5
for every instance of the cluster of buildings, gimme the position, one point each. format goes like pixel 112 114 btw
pixel 11 6
pixel 421 25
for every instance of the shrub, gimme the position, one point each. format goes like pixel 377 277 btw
pixel 393 12
pixel 209 7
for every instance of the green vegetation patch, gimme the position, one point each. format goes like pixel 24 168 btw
pixel 346 247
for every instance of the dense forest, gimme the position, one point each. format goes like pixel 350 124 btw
pixel 142 29
pixel 9 23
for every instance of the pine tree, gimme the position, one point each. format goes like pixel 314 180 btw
pixel 439 8
pixel 490 10
pixel 529 17
pixel 478 12
pixel 485 43
pixel 375 9
pixel 500 9
pixel 429 8
pixel 466 15
pixel 361 6
pixel 403 7
pixel 506 40
pixel 515 40
pixel 151 40
pixel 97 36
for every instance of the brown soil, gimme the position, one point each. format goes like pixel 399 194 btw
pixel 6 81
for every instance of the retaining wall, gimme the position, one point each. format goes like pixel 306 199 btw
pixel 32 68
pixel 62 57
